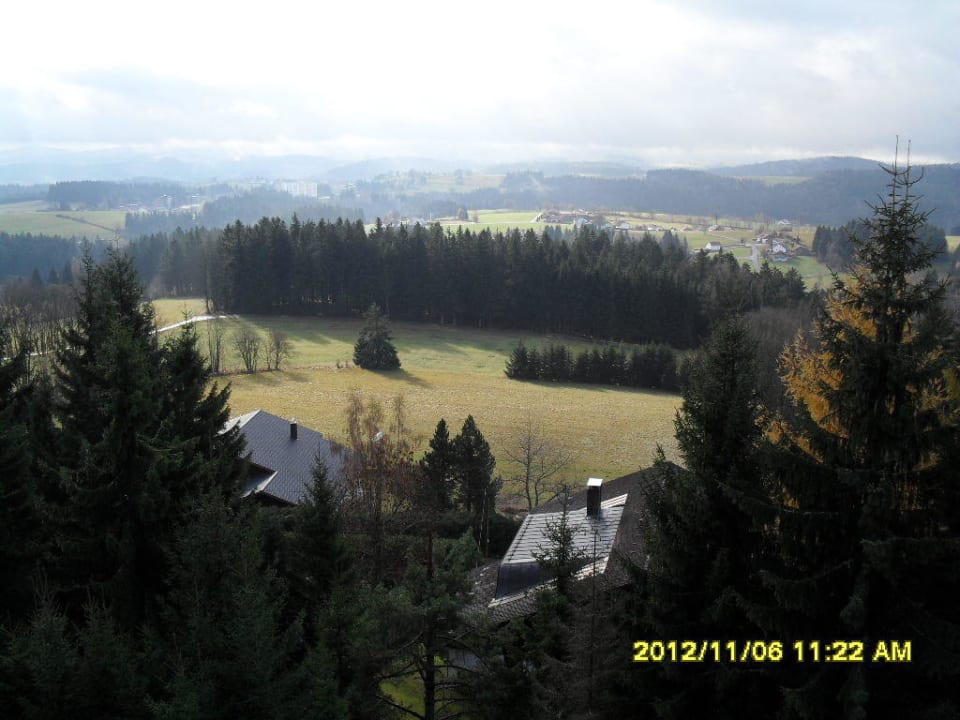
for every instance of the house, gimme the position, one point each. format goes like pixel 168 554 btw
pixel 282 455
pixel 779 253
pixel 712 247
pixel 606 520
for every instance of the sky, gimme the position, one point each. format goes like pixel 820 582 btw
pixel 686 83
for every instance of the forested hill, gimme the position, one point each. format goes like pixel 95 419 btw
pixel 830 198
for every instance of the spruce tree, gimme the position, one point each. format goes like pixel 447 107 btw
pixel 438 466
pixel 138 441
pixel 476 487
pixel 374 349
pixel 869 517
pixel 21 521
pixel 703 543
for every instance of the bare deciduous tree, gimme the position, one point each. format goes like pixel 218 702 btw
pixel 381 476
pixel 539 460
pixel 247 341
pixel 278 349
pixel 216 333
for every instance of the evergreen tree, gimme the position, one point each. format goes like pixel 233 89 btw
pixel 438 465
pixel 703 542
pixel 233 650
pixel 21 520
pixel 476 487
pixel 138 440
pixel 319 559
pixel 374 349
pixel 869 525
pixel 518 365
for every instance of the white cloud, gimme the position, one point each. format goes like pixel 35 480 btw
pixel 671 82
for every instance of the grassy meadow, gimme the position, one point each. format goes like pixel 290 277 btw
pixel 450 373
pixel 35 218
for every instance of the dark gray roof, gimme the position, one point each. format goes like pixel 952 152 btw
pixel 282 467
pixel 508 588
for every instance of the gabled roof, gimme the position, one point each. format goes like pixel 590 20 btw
pixel 281 465
pixel 508 588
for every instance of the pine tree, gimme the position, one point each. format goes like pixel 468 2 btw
pixel 138 441
pixel 374 349
pixel 438 465
pixel 518 365
pixel 233 650
pixel 21 520
pixel 476 487
pixel 319 559
pixel 703 543
pixel 869 521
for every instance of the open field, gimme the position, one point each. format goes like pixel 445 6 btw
pixel 497 221
pixel 33 217
pixel 494 228
pixel 953 241
pixel 451 373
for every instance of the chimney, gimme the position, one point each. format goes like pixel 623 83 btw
pixel 293 429
pixel 593 497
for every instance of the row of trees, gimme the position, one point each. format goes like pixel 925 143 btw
pixel 836 246
pixel 639 291
pixel 51 257
pixel 647 366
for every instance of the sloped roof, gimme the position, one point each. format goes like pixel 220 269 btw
pixel 506 589
pixel 282 466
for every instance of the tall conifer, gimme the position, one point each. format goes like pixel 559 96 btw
pixel 869 513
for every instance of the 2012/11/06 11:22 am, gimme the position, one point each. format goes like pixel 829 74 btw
pixel 800 651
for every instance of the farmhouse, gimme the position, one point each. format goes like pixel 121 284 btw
pixel 606 520
pixel 282 456
pixel 712 247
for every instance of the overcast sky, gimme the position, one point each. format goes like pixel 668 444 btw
pixel 684 83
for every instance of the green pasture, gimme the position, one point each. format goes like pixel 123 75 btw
pixel 813 272
pixel 519 218
pixel 451 372
pixel 35 218
pixel 494 228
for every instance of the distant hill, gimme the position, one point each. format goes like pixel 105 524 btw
pixel 43 166
pixel 796 168
pixel 555 168
pixel 375 167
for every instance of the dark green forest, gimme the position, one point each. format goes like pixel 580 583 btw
pixel 594 286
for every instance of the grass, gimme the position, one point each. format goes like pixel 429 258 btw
pixel 451 373
pixel 521 218
pixel 812 271
pixel 35 218
pixel 172 310
pixel 497 221
pixel 953 241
